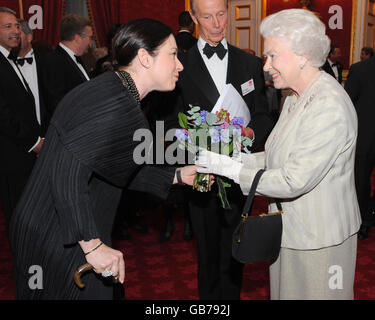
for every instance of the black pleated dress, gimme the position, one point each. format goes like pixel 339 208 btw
pixel 75 187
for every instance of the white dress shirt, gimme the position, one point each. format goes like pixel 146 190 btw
pixel 216 67
pixel 334 69
pixel 30 73
pixel 72 55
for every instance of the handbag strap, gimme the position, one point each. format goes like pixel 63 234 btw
pixel 252 191
pixel 253 188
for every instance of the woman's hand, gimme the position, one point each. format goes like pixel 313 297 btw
pixel 104 258
pixel 188 174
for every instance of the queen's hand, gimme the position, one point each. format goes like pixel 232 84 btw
pixel 218 164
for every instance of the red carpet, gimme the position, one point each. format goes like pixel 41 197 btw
pixel 168 271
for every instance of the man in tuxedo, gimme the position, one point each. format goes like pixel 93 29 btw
pixel 64 69
pixel 333 65
pixel 184 38
pixel 31 65
pixel 208 66
pixel 360 86
pixel 21 133
pixel 366 53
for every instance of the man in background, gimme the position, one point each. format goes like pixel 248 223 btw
pixel 333 65
pixel 185 39
pixel 21 133
pixel 64 69
pixel 360 86
pixel 208 66
pixel 366 53
pixel 31 65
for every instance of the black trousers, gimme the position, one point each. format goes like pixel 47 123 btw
pixel 11 187
pixel 219 275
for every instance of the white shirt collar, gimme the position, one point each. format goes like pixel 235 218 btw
pixel 4 51
pixel 69 51
pixel 202 43
pixel 331 63
pixel 30 54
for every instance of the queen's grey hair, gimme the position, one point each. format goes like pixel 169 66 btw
pixel 304 30
pixel 7 10
pixel 193 7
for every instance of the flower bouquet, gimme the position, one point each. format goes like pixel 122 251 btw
pixel 217 133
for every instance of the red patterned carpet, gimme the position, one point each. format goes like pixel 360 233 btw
pixel 168 271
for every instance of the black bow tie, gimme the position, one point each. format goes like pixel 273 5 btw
pixel 12 57
pixel 209 51
pixel 79 59
pixel 21 61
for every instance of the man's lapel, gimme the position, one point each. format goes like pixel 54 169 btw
pixel 235 69
pixel 73 64
pixel 199 73
pixel 8 71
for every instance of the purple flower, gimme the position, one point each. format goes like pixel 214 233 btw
pixel 215 135
pixel 237 122
pixel 183 135
pixel 203 116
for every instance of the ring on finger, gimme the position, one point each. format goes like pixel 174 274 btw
pixel 107 273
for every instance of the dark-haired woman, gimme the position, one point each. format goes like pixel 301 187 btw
pixel 64 218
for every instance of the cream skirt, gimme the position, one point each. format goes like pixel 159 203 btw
pixel 321 274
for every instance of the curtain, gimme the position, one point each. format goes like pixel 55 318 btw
pixel 52 14
pixel 103 14
pixel 166 11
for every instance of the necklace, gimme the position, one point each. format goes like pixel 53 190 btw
pixel 128 83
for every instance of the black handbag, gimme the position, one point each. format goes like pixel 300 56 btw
pixel 257 238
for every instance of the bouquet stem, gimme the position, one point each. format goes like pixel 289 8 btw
pixel 202 182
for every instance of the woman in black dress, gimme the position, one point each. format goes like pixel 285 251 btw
pixel 65 216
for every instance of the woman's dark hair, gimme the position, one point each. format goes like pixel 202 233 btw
pixel 138 34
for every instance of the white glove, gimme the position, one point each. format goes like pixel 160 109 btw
pixel 247 159
pixel 219 164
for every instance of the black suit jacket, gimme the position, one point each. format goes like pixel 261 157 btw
pixel 198 88
pixel 360 86
pixel 60 75
pixel 19 127
pixel 327 68
pixel 185 41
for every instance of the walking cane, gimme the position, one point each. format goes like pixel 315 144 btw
pixel 81 270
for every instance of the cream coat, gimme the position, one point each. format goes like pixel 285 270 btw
pixel 309 161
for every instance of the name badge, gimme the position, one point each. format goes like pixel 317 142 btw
pixel 247 87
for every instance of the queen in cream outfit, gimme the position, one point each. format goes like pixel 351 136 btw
pixel 309 162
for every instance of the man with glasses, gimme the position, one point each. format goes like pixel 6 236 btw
pixel 64 69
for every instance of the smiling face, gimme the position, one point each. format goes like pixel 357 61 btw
pixel 282 63
pixel 166 66
pixel 212 18
pixel 9 31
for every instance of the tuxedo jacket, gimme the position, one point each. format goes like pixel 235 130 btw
pixel 327 68
pixel 185 41
pixel 198 88
pixel 19 127
pixel 309 160
pixel 360 86
pixel 60 75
